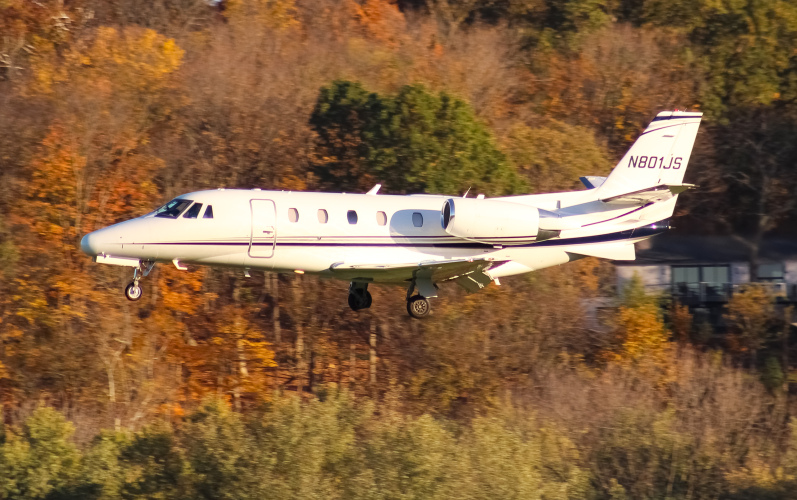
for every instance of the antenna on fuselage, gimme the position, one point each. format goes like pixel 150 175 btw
pixel 466 192
pixel 374 189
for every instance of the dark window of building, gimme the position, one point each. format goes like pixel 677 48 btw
pixel 701 274
pixel 772 272
pixel 703 282
pixel 351 215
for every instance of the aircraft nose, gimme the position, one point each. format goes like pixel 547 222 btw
pixel 90 244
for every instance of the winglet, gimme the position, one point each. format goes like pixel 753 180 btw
pixel 374 189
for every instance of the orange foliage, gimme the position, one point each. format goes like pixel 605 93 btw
pixel 381 21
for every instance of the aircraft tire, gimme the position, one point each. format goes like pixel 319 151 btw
pixel 133 291
pixel 357 303
pixel 418 307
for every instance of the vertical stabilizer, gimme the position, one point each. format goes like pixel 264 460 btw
pixel 658 157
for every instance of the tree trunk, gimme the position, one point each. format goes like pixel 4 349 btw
pixel 352 363
pixel 109 367
pixel 372 354
pixel 787 315
pixel 275 311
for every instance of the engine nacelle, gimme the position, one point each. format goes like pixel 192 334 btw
pixel 490 221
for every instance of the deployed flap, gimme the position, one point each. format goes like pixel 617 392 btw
pixel 653 194
pixel 473 282
pixel 611 251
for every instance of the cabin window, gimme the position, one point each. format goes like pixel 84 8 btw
pixel 417 219
pixel 293 215
pixel 323 217
pixel 351 215
pixel 173 209
pixel 193 212
pixel 381 218
pixel 208 212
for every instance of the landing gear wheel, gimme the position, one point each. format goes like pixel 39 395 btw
pixel 133 291
pixel 357 302
pixel 418 307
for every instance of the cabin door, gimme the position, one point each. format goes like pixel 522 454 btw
pixel 264 232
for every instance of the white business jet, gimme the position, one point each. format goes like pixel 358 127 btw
pixel 416 241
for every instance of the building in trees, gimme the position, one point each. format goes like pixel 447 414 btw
pixel 705 272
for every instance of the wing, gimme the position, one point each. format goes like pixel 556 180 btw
pixel 468 273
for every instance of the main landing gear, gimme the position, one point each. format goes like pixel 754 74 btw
pixel 418 305
pixel 133 290
pixel 359 296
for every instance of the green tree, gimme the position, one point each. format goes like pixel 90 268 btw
pixel 39 460
pixel 417 141
pixel 219 452
pixel 746 47
pixel 153 465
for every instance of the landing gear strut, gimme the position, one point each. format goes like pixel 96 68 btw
pixel 133 291
pixel 359 296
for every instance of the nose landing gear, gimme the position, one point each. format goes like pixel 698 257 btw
pixel 133 290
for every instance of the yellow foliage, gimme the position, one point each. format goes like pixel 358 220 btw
pixel 750 313
pixel 644 341
pixel 643 332
pixel 131 60
pixel 757 475
pixel 273 14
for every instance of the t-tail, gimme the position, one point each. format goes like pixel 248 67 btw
pixel 656 162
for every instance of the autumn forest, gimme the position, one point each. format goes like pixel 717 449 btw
pixel 216 385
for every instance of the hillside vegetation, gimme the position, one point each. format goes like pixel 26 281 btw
pixel 219 386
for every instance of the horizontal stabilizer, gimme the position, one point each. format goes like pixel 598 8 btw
pixel 662 192
pixel 611 251
pixel 592 181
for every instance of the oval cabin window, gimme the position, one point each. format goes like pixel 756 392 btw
pixel 323 217
pixel 417 219
pixel 351 215
pixel 293 215
pixel 381 218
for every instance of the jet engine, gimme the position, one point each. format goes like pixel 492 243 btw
pixel 490 221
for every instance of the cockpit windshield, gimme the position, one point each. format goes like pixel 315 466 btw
pixel 173 209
